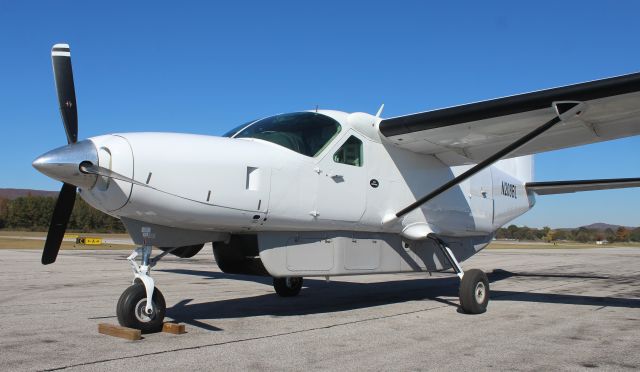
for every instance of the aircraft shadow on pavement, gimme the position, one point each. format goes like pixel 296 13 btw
pixel 318 296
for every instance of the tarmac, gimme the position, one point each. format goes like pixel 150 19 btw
pixel 550 309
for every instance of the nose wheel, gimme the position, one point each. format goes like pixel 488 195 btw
pixel 132 309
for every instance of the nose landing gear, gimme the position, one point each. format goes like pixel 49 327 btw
pixel 142 305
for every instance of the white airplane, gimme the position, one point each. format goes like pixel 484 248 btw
pixel 328 193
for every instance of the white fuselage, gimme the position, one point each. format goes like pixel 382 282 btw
pixel 219 184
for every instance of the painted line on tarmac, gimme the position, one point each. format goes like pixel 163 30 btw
pixel 248 339
pixel 445 303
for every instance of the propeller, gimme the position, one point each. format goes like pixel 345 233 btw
pixel 63 74
pixel 59 221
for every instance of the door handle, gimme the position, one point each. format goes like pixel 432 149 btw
pixel 336 177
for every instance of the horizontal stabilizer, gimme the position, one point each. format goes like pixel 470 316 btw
pixel 565 187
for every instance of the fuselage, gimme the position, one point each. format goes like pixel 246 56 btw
pixel 354 180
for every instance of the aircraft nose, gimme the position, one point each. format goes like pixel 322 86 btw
pixel 63 163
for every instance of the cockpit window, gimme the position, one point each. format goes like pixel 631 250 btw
pixel 350 152
pixel 304 132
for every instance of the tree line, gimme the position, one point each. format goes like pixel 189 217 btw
pixel 581 234
pixel 34 213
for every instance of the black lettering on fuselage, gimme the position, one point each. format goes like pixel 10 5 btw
pixel 509 189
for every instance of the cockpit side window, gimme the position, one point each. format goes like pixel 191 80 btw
pixel 304 132
pixel 350 152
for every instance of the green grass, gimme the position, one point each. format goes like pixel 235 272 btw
pixel 25 240
pixel 558 245
pixel 4 233
pixel 16 240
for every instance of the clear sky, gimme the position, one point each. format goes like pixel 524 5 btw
pixel 205 66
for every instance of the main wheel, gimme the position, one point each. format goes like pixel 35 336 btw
pixel 131 309
pixel 474 292
pixel 288 287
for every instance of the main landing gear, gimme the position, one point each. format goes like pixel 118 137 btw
pixel 142 305
pixel 287 287
pixel 474 284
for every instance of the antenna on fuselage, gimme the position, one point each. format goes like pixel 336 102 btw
pixel 380 111
pixel 316 109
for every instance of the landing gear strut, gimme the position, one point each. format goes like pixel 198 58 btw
pixel 142 305
pixel 474 284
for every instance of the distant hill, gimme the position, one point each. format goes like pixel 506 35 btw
pixel 598 226
pixel 601 226
pixel 16 193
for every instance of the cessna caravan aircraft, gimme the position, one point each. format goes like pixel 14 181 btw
pixel 329 193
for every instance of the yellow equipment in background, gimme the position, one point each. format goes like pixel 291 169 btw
pixel 88 240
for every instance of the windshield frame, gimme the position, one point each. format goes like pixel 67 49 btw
pixel 231 133
pixel 320 150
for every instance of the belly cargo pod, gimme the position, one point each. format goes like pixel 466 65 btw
pixel 331 253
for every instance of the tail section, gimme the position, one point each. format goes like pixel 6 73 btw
pixel 525 168
pixel 520 168
pixel 510 197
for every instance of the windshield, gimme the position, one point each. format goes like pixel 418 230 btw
pixel 304 132
pixel 237 129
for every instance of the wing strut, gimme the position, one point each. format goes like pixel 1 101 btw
pixel 564 110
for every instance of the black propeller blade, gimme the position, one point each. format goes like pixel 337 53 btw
pixel 61 59
pixel 59 221
pixel 63 74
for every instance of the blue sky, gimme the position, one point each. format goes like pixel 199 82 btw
pixel 203 67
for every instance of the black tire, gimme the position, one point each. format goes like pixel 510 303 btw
pixel 288 287
pixel 131 306
pixel 474 292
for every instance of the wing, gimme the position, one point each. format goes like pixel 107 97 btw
pixel 470 133
pixel 565 187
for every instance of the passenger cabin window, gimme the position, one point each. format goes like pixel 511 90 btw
pixel 350 152
pixel 304 132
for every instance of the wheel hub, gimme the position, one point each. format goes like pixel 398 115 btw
pixel 292 282
pixel 141 313
pixel 480 292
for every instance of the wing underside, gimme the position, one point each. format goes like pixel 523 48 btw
pixel 470 133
